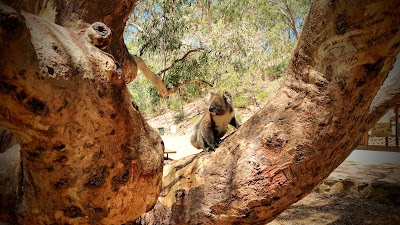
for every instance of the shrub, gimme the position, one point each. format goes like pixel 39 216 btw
pixel 241 101
pixel 179 118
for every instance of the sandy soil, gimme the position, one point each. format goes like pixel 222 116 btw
pixel 355 193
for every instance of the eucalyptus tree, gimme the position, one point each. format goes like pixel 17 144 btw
pixel 89 157
pixel 209 42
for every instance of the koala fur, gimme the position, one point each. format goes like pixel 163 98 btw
pixel 214 123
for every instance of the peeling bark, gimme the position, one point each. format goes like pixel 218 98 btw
pixel 286 149
pixel 87 156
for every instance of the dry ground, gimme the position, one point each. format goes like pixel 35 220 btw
pixel 355 193
pixel 337 209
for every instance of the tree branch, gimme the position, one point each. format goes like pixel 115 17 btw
pixel 66 101
pixel 136 25
pixel 184 84
pixel 157 82
pixel 290 17
pixel 141 51
pixel 388 95
pixel 77 15
pixel 179 60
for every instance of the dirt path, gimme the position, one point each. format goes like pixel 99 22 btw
pixel 180 144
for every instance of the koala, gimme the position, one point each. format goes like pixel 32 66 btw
pixel 214 123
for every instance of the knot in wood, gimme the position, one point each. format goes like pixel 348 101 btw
pixel 99 35
pixel 274 141
pixel 9 19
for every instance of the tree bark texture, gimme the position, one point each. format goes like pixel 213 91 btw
pixel 318 116
pixel 77 15
pixel 87 156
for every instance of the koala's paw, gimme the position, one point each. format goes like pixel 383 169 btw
pixel 209 149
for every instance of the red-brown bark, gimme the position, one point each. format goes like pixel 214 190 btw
pixel 316 119
pixel 87 156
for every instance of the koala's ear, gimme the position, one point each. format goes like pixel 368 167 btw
pixel 209 96
pixel 228 97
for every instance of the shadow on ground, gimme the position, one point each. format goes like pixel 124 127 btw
pixel 336 209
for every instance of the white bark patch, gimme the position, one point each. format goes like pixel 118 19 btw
pixel 48 11
pixel 183 179
pixel 58 52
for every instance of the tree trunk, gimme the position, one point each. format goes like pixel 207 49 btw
pixel 317 118
pixel 87 156
pixel 290 21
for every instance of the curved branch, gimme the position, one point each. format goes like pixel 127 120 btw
pixel 178 60
pixel 77 15
pixel 388 95
pixel 157 82
pixel 184 84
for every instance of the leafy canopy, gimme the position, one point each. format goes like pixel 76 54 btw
pixel 230 42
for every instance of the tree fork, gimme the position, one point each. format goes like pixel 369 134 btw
pixel 316 119
pixel 87 156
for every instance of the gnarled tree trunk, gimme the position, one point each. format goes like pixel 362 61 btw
pixel 89 157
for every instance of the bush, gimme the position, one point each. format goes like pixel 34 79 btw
pixel 277 70
pixel 241 101
pixel 262 96
pixel 175 104
pixel 194 119
pixel 179 118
